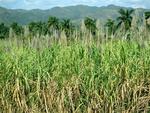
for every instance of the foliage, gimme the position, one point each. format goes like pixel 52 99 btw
pixel 125 18
pixel 110 25
pixel 40 74
pixel 53 22
pixel 147 15
pixel 77 77
pixel 90 24
pixel 39 28
pixel 147 18
pixel 4 31
pixel 67 26
pixel 17 29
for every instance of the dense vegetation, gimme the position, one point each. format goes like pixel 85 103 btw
pixel 57 25
pixel 58 67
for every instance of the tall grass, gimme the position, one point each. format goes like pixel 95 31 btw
pixel 86 75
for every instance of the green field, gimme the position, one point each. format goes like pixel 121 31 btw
pixel 74 77
pixel 56 67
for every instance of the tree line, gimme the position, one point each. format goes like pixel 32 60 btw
pixel 55 25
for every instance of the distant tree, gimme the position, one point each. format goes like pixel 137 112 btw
pixel 90 24
pixel 53 22
pixel 4 31
pixel 39 28
pixel 147 18
pixel 45 29
pixel 147 15
pixel 125 18
pixel 18 30
pixel 33 28
pixel 110 24
pixel 67 26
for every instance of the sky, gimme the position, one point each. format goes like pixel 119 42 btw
pixel 47 4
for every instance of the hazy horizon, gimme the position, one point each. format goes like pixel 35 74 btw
pixel 48 4
pixel 71 6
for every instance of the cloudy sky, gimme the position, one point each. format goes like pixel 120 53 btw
pixel 47 4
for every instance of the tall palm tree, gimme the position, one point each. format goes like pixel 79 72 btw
pixel 39 28
pixel 33 28
pixel 4 31
pixel 90 24
pixel 147 18
pixel 18 30
pixel 67 26
pixel 125 18
pixel 45 30
pixel 54 26
pixel 53 22
pixel 110 24
pixel 147 15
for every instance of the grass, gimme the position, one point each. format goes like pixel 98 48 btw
pixel 77 77
pixel 83 75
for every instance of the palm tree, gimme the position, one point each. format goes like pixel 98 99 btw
pixel 67 26
pixel 147 18
pixel 18 30
pixel 53 22
pixel 45 30
pixel 4 31
pixel 39 28
pixel 33 28
pixel 90 24
pixel 110 24
pixel 54 25
pixel 125 18
pixel 147 15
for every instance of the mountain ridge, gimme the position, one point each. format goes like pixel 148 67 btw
pixel 76 13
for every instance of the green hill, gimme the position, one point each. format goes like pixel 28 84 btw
pixel 75 13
